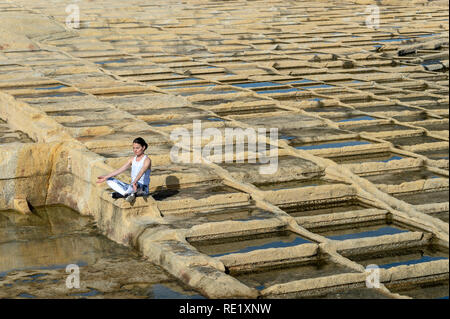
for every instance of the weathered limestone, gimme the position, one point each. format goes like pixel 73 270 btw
pixel 22 167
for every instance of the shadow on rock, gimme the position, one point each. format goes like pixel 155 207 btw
pixel 171 189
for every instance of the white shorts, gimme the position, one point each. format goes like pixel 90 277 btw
pixel 126 189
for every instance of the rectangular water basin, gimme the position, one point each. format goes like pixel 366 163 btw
pixel 435 154
pixel 297 135
pixel 242 244
pixel 294 184
pixel 240 213
pixel 196 191
pixel 36 249
pixel 396 178
pixel 324 109
pixel 185 120
pixel 209 92
pixel 263 278
pixel 44 94
pixel 409 256
pixel 417 98
pixel 248 110
pixel 354 118
pixel 379 128
pixel 50 238
pixel 440 215
pixel 420 198
pixel 385 108
pixel 302 209
pixel 280 90
pixel 426 290
pixel 412 140
pixel 254 85
pixel 351 293
pixel 434 126
pixel 422 116
pixel 331 144
pixel 384 157
pixel 435 106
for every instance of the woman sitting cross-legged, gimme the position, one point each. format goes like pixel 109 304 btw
pixel 140 174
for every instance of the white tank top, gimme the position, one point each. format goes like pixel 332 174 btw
pixel 136 167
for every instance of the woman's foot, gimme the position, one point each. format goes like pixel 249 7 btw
pixel 130 198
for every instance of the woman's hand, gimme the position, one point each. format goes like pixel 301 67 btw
pixel 134 187
pixel 101 179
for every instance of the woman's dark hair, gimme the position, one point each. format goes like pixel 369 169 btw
pixel 140 141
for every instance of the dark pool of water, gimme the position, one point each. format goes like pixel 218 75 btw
pixel 304 81
pixel 431 290
pixel 256 84
pixel 393 258
pixel 50 238
pixel 413 140
pixel 417 98
pixel 422 116
pixel 56 87
pixel 328 109
pixel 323 208
pixel 240 213
pixel 159 291
pixel 370 157
pixel 263 278
pixel 112 61
pixel 294 184
pixel 209 92
pixel 354 293
pixel 435 154
pixel 278 91
pixel 36 249
pixel 318 86
pixel 243 111
pixel 385 108
pixel 352 231
pixel 397 178
pixel 330 144
pixel 393 40
pixel 92 292
pixel 357 118
pixel 419 198
pixel 243 244
pixel 48 94
pixel 441 215
pixel 188 86
pixel 197 191
pixel 380 128
pixel 184 120
pixel 183 80
pixel 435 126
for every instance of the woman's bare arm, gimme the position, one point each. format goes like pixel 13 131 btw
pixel 118 171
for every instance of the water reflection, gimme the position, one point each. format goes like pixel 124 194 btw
pixel 35 250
